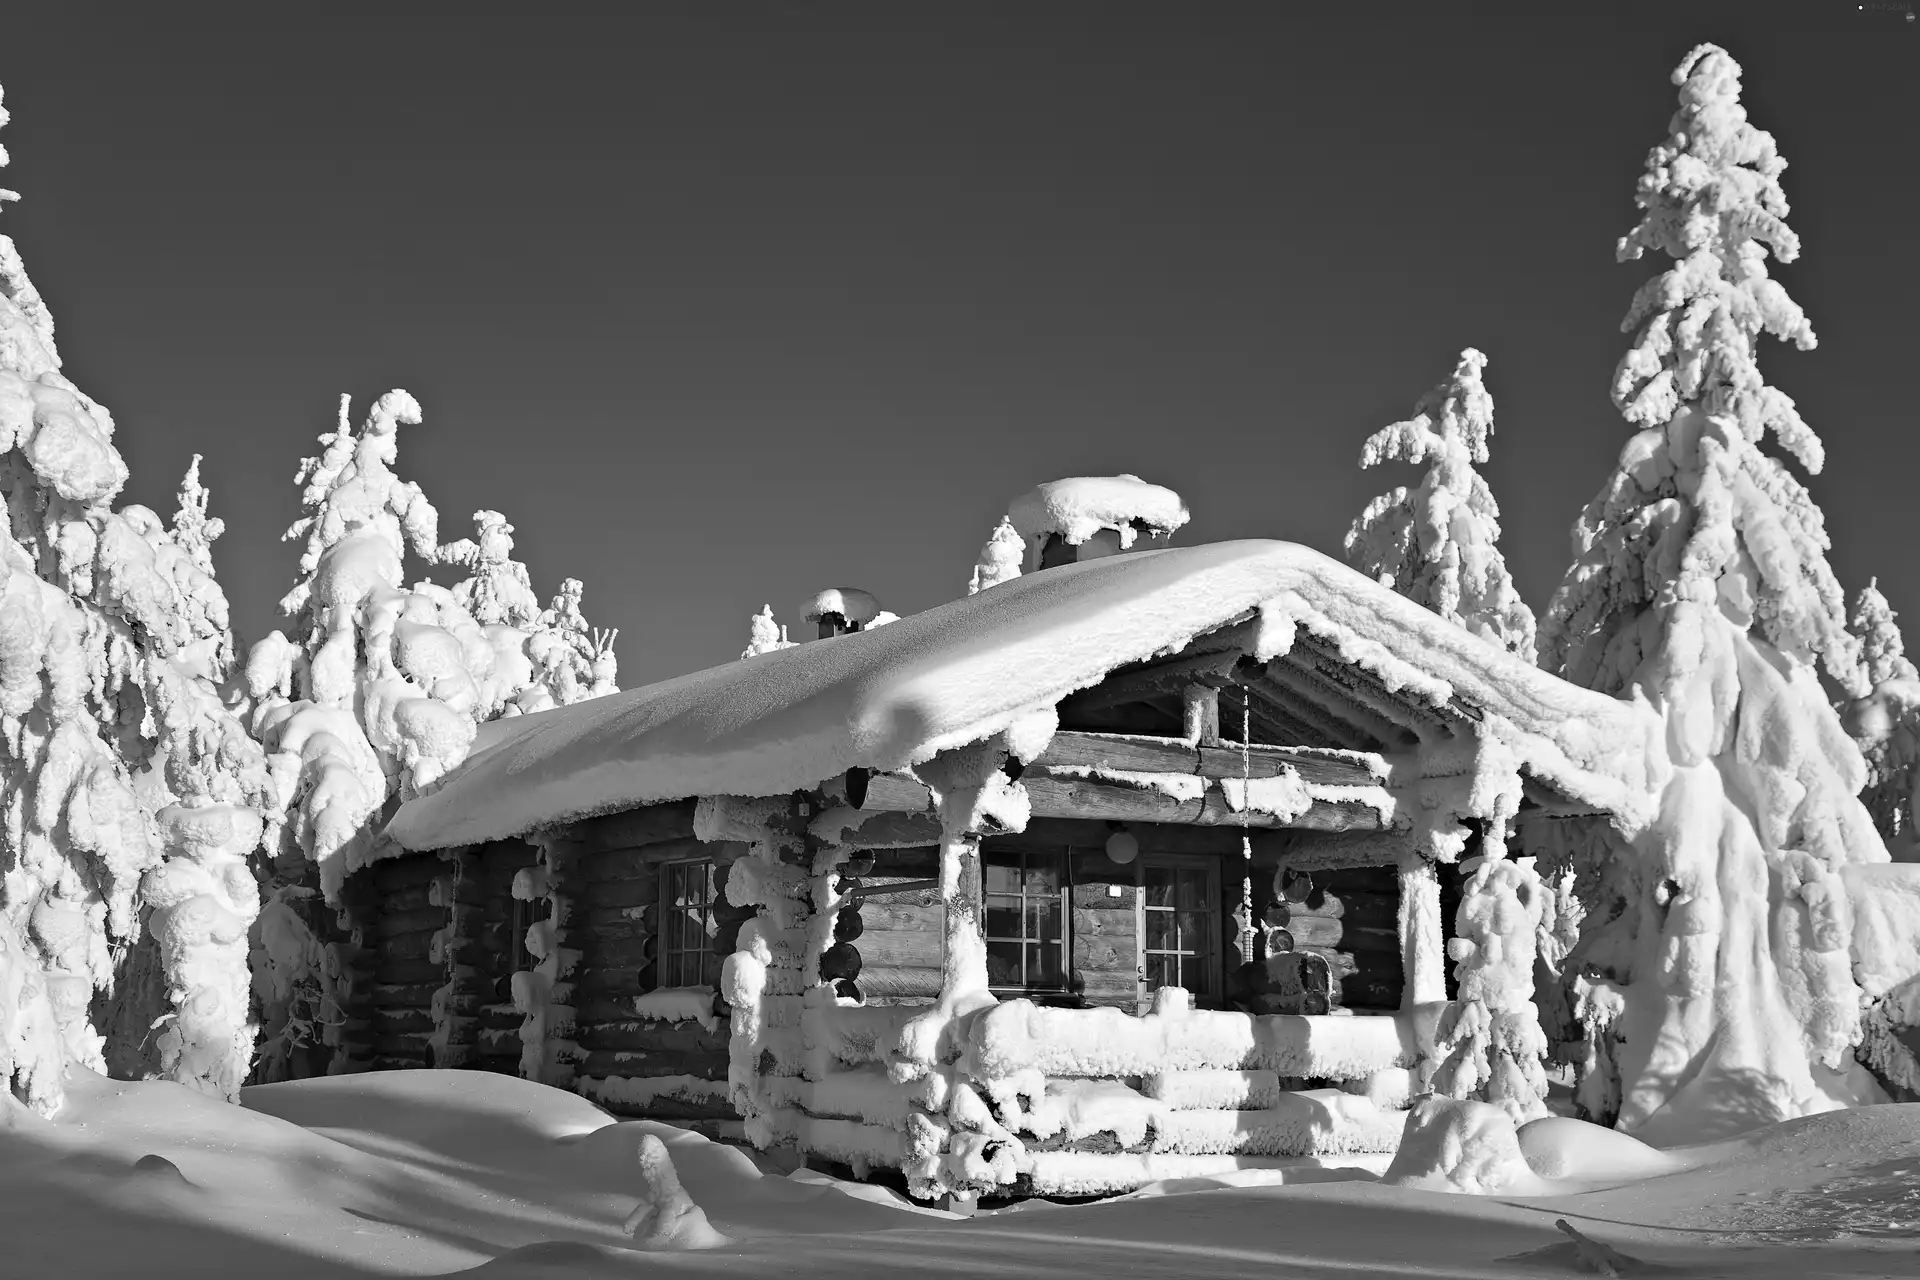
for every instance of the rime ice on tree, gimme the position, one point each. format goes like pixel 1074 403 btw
pixel 132 794
pixel 1885 724
pixel 1723 995
pixel 765 635
pixel 999 559
pixel 1438 544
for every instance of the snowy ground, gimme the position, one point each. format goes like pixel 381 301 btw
pixel 430 1173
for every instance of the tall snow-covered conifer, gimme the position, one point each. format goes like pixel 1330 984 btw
pixel 377 693
pixel 1438 544
pixel 1724 995
pixel 132 794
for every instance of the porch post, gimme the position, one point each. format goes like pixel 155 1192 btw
pixel 1423 955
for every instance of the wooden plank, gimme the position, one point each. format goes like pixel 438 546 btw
pixel 1307 687
pixel 1142 754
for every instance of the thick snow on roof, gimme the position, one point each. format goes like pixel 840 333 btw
pixel 1079 507
pixel 959 672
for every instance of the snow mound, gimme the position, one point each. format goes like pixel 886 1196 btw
pixel 967 669
pixel 667 1218
pixel 1082 506
pixel 1468 1147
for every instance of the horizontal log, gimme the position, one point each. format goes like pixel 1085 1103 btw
pixel 623 893
pixel 1368 910
pixel 390 874
pixel 636 827
pixel 599 916
pixel 404 995
pixel 872 828
pixel 401 1021
pixel 613 953
pixel 409 969
pixel 1082 798
pixel 887 948
pixel 899 982
pixel 499 1017
pixel 1143 754
pixel 611 984
pixel 894 914
pixel 1087 837
pixel 1343 935
pixel 1109 984
pixel 407 946
pixel 886 792
pixel 651 1035
pixel 619 929
pixel 411 898
pixel 600 1063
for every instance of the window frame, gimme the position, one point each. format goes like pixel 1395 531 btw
pixel 1214 958
pixel 666 953
pixel 1064 896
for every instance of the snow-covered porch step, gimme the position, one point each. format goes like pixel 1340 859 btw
pixel 1080 1173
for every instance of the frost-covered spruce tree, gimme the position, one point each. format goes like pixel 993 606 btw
pixel 378 692
pixel 765 635
pixel 132 793
pixel 1438 543
pixel 1885 724
pixel 1000 559
pixel 1723 984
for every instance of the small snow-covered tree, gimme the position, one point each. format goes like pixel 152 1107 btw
pixel 1885 724
pixel 1438 543
pixel 1000 559
pixel 1720 948
pixel 497 589
pixel 765 635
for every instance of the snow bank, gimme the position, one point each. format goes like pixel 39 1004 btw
pixel 962 671
pixel 1471 1147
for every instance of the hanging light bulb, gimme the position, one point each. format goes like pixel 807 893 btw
pixel 1122 846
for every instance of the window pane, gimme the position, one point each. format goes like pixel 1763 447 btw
pixel 1160 972
pixel 1043 919
pixel 1003 919
pixel 1193 931
pixel 1159 887
pixel 1003 964
pixel 1193 889
pixel 1159 930
pixel 1043 966
pixel 997 876
pixel 1043 872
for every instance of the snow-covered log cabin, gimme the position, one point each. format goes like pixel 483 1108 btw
pixel 1138 867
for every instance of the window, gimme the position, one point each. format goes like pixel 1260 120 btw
pixel 1025 896
pixel 685 957
pixel 526 914
pixel 1180 903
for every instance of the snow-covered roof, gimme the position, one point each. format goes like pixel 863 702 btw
pixel 886 698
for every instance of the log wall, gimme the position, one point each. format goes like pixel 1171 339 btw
pixel 898 934
pixel 614 925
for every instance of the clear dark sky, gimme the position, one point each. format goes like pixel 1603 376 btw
pixel 724 303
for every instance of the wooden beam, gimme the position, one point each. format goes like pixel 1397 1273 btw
pixel 1320 654
pixel 1307 699
pixel 1141 754
pixel 1201 714
pixel 1056 797
pixel 1310 685
pixel 1135 684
